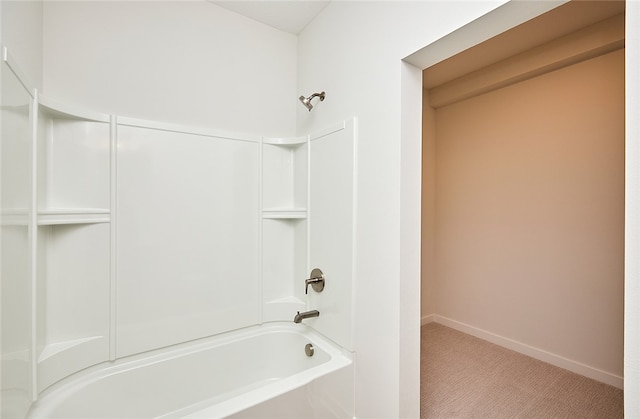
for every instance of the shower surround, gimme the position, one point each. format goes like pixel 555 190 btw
pixel 144 235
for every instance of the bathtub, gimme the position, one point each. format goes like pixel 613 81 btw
pixel 257 372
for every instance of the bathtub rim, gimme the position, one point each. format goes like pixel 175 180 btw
pixel 339 357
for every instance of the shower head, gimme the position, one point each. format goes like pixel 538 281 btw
pixel 306 101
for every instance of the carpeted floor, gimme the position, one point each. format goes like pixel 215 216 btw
pixel 466 377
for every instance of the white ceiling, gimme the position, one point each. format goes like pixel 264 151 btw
pixel 287 15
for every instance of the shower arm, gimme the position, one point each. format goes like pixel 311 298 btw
pixel 320 95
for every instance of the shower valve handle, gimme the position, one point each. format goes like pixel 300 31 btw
pixel 316 280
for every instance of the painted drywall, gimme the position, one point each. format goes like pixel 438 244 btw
pixel 353 51
pixel 192 63
pixel 632 217
pixel 21 33
pixel 410 184
pixel 529 212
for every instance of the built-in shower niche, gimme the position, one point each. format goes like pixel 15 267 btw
pixel 73 241
pixel 285 185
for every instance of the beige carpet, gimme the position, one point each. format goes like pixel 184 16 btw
pixel 466 377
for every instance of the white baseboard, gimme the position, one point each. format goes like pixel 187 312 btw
pixel 427 319
pixel 531 351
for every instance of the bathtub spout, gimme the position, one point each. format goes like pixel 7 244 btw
pixel 305 315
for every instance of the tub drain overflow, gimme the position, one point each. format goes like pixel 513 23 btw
pixel 308 349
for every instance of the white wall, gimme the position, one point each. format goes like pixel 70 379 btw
pixel 187 62
pixel 353 51
pixel 21 28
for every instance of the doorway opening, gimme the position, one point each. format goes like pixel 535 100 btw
pixel 523 189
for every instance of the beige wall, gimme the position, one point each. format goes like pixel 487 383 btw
pixel 428 259
pixel 529 213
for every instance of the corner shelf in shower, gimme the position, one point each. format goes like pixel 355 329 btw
pixel 58 216
pixel 284 213
pixel 293 141
pixel 58 110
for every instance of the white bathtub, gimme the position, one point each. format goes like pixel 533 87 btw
pixel 262 371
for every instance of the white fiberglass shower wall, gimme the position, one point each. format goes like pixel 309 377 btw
pixel 15 245
pixel 137 234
